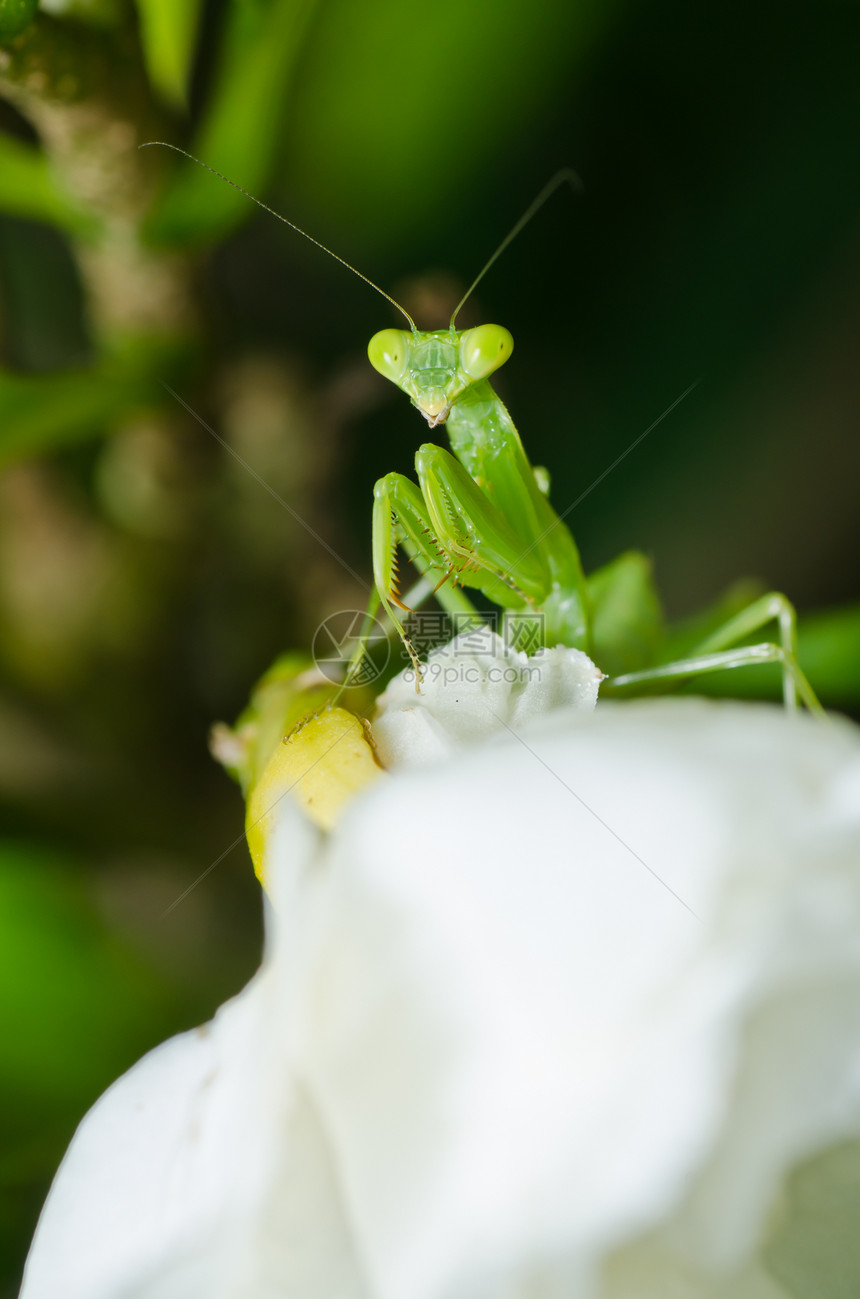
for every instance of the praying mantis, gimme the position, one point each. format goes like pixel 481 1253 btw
pixel 480 514
pixel 479 518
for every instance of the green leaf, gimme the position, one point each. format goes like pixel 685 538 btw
pixel 168 30
pixel 79 1004
pixel 829 652
pixel 240 131
pixel 28 189
pixel 40 412
pixel 627 624
pixel 15 15
pixel 75 1007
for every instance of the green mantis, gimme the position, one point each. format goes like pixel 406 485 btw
pixel 479 515
pixel 479 518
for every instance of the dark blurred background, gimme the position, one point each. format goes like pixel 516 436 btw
pixel 148 576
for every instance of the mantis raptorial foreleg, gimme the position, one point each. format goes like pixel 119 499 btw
pixel 400 521
pixel 455 530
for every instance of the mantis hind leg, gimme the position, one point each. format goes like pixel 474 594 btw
pixel 722 651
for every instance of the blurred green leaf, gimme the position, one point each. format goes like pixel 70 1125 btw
pixel 628 622
pixel 28 189
pixel 241 129
pixel 168 30
pixel 829 651
pixel 40 412
pixel 75 1007
pixel 15 15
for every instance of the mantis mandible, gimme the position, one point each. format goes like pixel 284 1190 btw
pixel 480 517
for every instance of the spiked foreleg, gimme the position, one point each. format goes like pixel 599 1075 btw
pixel 485 549
pixel 400 518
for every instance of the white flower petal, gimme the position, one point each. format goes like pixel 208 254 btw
pixel 472 689
pixel 571 1010
pixel 204 1170
pixel 527 1049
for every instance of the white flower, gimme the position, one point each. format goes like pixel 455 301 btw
pixel 473 688
pixel 572 1012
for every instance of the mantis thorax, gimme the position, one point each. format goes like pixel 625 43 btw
pixel 434 368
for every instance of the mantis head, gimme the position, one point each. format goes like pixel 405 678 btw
pixel 435 368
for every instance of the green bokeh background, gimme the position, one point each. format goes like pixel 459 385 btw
pixel 147 577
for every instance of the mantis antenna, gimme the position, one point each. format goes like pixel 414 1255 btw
pixel 176 149
pixel 566 174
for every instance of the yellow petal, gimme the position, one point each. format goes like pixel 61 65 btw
pixel 322 764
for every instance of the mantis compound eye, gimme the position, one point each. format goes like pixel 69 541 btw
pixel 388 352
pixel 484 349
